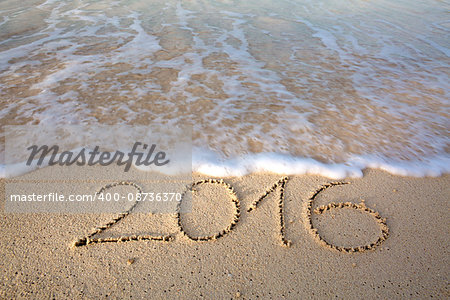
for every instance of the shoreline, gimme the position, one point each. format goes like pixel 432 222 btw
pixel 210 164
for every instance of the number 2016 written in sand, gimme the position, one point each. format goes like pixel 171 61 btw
pixel 278 186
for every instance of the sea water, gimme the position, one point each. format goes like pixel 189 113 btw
pixel 314 86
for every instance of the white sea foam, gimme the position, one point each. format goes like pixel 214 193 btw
pixel 209 163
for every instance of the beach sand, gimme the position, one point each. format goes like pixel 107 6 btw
pixel 250 261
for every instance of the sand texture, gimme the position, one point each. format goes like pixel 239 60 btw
pixel 257 236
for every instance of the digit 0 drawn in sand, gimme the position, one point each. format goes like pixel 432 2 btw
pixel 344 205
pixel 234 200
pixel 282 184
pixel 90 238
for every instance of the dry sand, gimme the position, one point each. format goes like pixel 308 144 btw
pixel 250 260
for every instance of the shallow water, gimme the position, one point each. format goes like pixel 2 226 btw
pixel 283 86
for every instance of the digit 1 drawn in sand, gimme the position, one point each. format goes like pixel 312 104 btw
pixel 234 200
pixel 282 184
pixel 348 205
pixel 90 238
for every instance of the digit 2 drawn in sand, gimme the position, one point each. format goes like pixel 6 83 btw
pixel 90 238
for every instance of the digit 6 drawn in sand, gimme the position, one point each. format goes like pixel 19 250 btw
pixel 362 207
pixel 320 210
